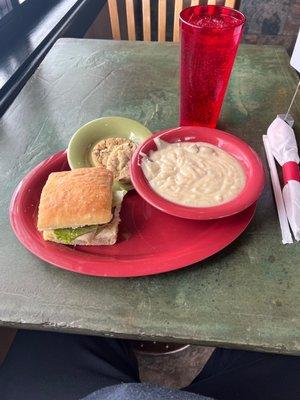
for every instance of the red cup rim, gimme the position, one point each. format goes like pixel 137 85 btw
pixel 242 18
pixel 250 161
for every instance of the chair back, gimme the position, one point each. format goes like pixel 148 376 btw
pixel 146 13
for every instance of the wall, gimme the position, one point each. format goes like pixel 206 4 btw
pixel 271 21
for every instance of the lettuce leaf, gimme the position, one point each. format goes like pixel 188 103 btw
pixel 67 235
pixel 118 196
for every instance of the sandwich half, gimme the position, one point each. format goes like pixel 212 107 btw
pixel 76 208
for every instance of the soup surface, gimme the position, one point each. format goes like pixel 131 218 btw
pixel 195 174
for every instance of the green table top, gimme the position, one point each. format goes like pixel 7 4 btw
pixel 247 296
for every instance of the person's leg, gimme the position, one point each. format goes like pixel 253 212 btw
pixel 46 365
pixel 245 375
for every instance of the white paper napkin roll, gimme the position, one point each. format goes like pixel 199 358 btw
pixel 284 148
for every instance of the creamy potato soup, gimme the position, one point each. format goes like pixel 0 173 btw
pixel 195 174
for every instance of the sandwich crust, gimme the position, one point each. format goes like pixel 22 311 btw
pixel 80 197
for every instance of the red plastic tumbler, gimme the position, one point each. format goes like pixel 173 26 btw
pixel 210 36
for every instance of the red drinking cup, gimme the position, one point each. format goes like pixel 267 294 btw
pixel 209 39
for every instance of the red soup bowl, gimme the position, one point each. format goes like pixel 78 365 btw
pixel 247 157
